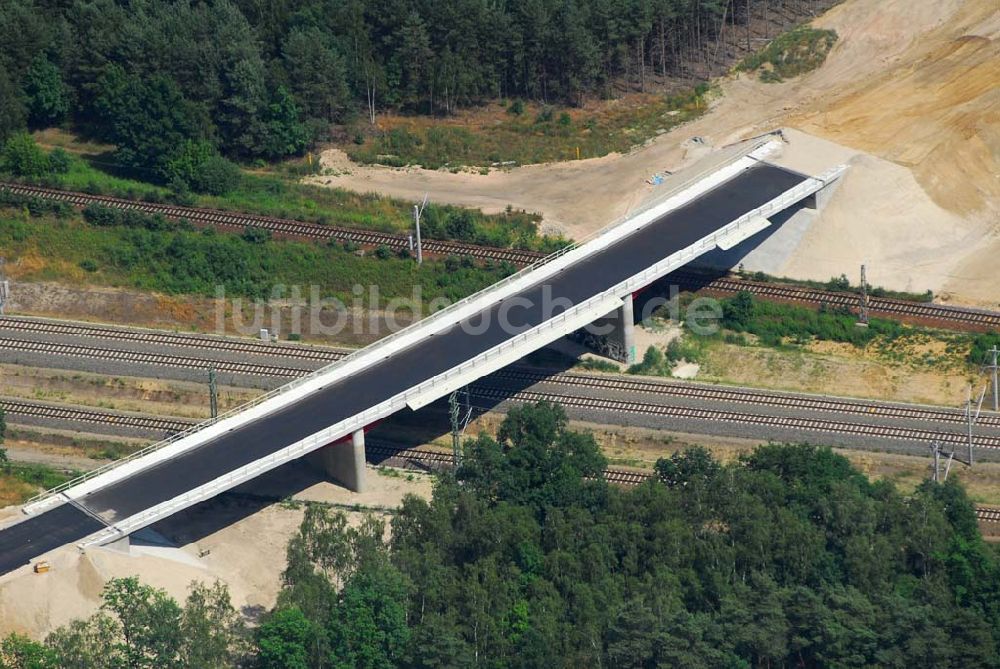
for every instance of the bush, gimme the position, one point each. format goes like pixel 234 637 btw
pixel 217 176
pixel 98 214
pixel 88 265
pixel 516 108
pixel 545 115
pixel 23 157
pixel 383 252
pixel 256 235
pixel 980 345
pixel 59 161
pixel 197 166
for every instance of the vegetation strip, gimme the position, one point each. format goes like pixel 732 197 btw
pixel 277 226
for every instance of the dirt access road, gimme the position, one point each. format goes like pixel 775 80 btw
pixel 912 88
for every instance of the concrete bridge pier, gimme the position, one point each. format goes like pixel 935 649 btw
pixel 344 461
pixel 613 336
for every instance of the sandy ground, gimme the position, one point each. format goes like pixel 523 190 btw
pixel 913 86
pixel 232 541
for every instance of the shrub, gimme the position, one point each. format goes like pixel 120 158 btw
pixel 217 176
pixel 59 161
pixel 197 166
pixel 516 108
pixel 383 252
pixel 88 265
pixel 98 214
pixel 256 235
pixel 23 157
pixel 545 115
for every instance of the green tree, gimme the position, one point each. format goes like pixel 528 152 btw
pixel 214 635
pixel 47 97
pixel 368 628
pixel 148 621
pixel 283 640
pixel 278 132
pixel 147 119
pixel 13 115
pixel 20 652
pixel 316 74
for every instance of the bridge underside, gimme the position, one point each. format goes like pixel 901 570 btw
pixel 263 439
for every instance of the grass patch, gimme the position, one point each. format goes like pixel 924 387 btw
pixel 796 52
pixel 529 134
pixel 747 321
pixel 21 481
pixel 148 253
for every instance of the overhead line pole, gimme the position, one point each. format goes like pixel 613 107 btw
pixel 417 211
pixel 992 366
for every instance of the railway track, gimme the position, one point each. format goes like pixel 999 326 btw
pixel 491 389
pixel 249 347
pixel 378 449
pixel 278 226
pixel 945 315
pixel 500 394
pixel 979 319
pixel 510 374
pixel 32 409
pixel 743 395
pixel 139 357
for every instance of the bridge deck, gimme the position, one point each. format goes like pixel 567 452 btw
pixel 668 234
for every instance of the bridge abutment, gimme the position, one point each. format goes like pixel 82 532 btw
pixel 344 461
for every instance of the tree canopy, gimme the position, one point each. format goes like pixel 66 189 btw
pixel 525 556
pixel 260 79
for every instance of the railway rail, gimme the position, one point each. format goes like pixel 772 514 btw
pixel 744 396
pixel 492 388
pixel 966 317
pixel 510 374
pixel 15 407
pixel 140 357
pixel 207 342
pixel 500 394
pixel 960 317
pixel 278 226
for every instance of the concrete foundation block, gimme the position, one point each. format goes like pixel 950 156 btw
pixel 344 461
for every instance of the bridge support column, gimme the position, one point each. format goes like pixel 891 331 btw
pixel 344 461
pixel 617 338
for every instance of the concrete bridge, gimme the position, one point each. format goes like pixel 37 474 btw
pixel 325 413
